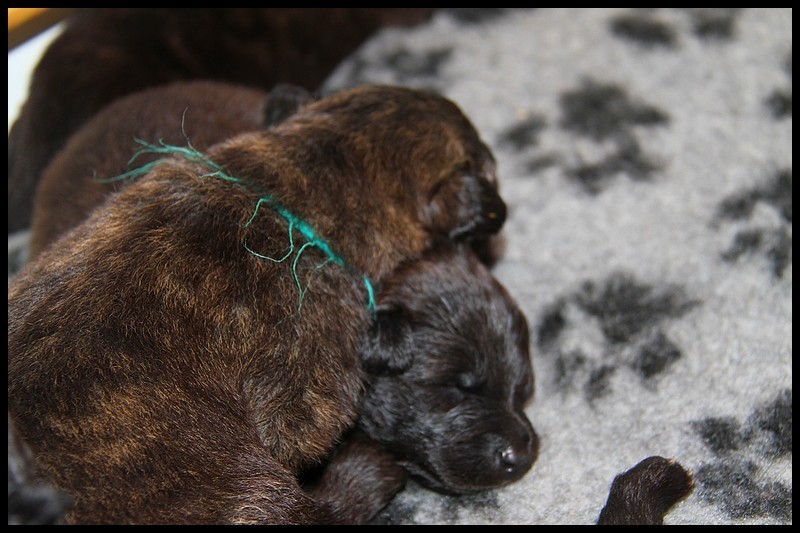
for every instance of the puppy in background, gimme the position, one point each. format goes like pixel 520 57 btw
pixel 104 54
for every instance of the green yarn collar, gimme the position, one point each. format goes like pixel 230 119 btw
pixel 296 223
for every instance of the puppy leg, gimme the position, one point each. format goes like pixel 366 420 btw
pixel 360 480
pixel 646 492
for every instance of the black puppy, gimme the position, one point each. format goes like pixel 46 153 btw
pixel 450 374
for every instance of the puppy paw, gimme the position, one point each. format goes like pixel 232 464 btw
pixel 359 480
pixel 646 492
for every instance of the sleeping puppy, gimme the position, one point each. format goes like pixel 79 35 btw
pixel 447 275
pixel 450 374
pixel 206 113
pixel 104 54
pixel 188 349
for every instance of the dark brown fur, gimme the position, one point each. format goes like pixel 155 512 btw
pixel 646 492
pixel 450 375
pixel 162 373
pixel 104 54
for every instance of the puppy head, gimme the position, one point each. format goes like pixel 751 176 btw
pixel 450 374
pixel 431 150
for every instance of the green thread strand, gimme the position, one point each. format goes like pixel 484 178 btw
pixel 295 223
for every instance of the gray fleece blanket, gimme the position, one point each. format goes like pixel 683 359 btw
pixel 646 158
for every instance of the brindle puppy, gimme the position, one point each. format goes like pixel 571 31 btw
pixel 203 113
pixel 165 369
pixel 104 54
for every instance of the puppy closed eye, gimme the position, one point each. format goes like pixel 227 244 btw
pixel 470 383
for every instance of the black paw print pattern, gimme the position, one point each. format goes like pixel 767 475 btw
pixel 774 242
pixel 780 101
pixel 605 112
pixel 645 27
pixel 422 69
pixel 475 15
pixel 602 113
pixel 734 481
pixel 629 315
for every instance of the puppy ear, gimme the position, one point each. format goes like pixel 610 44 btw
pixel 467 206
pixel 283 101
pixel 386 350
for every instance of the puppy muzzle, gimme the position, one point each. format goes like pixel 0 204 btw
pixel 517 457
pixel 484 461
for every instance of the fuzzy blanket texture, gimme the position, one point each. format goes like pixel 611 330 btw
pixel 646 159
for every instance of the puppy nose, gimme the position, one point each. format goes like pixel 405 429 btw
pixel 510 457
pixel 518 457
